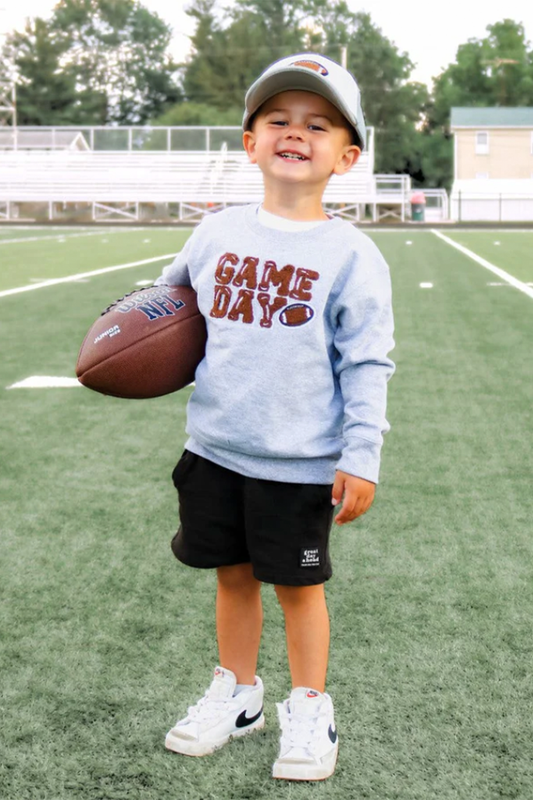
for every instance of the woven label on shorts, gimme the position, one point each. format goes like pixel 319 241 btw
pixel 309 557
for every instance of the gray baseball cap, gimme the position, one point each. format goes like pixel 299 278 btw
pixel 309 72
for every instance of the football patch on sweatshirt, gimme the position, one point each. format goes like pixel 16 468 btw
pixel 296 314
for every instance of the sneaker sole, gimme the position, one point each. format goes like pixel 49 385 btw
pixel 189 747
pixel 306 772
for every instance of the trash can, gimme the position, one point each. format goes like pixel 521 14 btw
pixel 418 203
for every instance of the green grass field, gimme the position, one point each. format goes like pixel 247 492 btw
pixel 105 639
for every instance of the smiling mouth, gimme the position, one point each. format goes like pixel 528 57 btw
pixel 292 157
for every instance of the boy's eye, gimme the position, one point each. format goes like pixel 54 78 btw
pixel 316 128
pixel 278 122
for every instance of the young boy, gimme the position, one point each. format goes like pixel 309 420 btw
pixel 288 411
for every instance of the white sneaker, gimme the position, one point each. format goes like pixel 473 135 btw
pixel 309 741
pixel 218 717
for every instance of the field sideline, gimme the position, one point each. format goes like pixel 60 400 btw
pixel 106 639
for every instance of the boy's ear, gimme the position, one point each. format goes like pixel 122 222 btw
pixel 248 141
pixel 347 160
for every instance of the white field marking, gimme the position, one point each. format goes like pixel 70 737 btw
pixel 409 242
pixel 426 286
pixel 497 244
pixel 506 284
pixel 81 275
pixel 501 273
pixel 55 237
pixel 145 282
pixel 450 228
pixel 45 382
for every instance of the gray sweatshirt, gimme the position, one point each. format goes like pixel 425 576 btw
pixel 294 381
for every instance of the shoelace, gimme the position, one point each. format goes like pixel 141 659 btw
pixel 299 730
pixel 207 707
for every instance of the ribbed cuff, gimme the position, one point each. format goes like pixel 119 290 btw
pixel 361 458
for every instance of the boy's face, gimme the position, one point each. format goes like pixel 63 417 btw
pixel 300 138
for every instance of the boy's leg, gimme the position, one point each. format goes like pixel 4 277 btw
pixel 309 743
pixel 239 617
pixel 212 533
pixel 307 631
pixel 224 713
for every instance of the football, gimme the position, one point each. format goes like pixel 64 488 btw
pixel 146 344
pixel 295 315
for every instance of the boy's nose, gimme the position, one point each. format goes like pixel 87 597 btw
pixel 294 132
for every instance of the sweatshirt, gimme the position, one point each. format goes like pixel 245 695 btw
pixel 293 384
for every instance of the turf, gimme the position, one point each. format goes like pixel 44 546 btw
pixel 106 639
pixel 79 252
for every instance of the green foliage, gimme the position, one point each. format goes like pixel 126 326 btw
pixel 189 113
pixel 435 159
pixel 226 60
pixel 118 48
pixel 393 105
pixel 46 95
pixel 494 71
pixel 93 62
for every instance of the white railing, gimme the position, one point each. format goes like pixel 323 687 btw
pixel 134 139
pixel 437 205
pixel 124 182
pixel 391 197
pixel 117 185
pixel 467 206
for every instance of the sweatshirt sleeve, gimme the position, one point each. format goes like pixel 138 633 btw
pixel 177 273
pixel 363 339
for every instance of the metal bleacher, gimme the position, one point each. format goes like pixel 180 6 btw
pixel 125 184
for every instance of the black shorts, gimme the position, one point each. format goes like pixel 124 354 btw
pixel 282 529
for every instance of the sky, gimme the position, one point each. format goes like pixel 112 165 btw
pixel 428 32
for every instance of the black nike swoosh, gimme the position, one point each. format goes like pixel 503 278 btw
pixel 242 720
pixel 332 734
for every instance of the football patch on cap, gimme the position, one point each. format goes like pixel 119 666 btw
pixel 314 65
pixel 296 314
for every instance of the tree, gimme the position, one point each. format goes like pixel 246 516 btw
pixel 226 60
pixel 199 114
pixel 93 62
pixel 45 95
pixel 393 105
pixel 119 49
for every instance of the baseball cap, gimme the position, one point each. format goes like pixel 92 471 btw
pixel 309 72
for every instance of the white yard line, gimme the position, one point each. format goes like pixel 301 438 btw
pixel 54 236
pixel 45 382
pixel 80 275
pixel 501 273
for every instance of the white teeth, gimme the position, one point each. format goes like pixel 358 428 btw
pixel 293 156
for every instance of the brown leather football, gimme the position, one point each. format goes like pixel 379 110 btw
pixel 146 344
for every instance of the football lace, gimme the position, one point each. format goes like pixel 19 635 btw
pixel 121 299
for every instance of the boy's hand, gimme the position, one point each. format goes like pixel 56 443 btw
pixel 358 496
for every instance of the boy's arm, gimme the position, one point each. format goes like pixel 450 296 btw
pixel 177 273
pixel 363 339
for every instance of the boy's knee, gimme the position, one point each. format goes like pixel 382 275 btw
pixel 238 577
pixel 290 596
